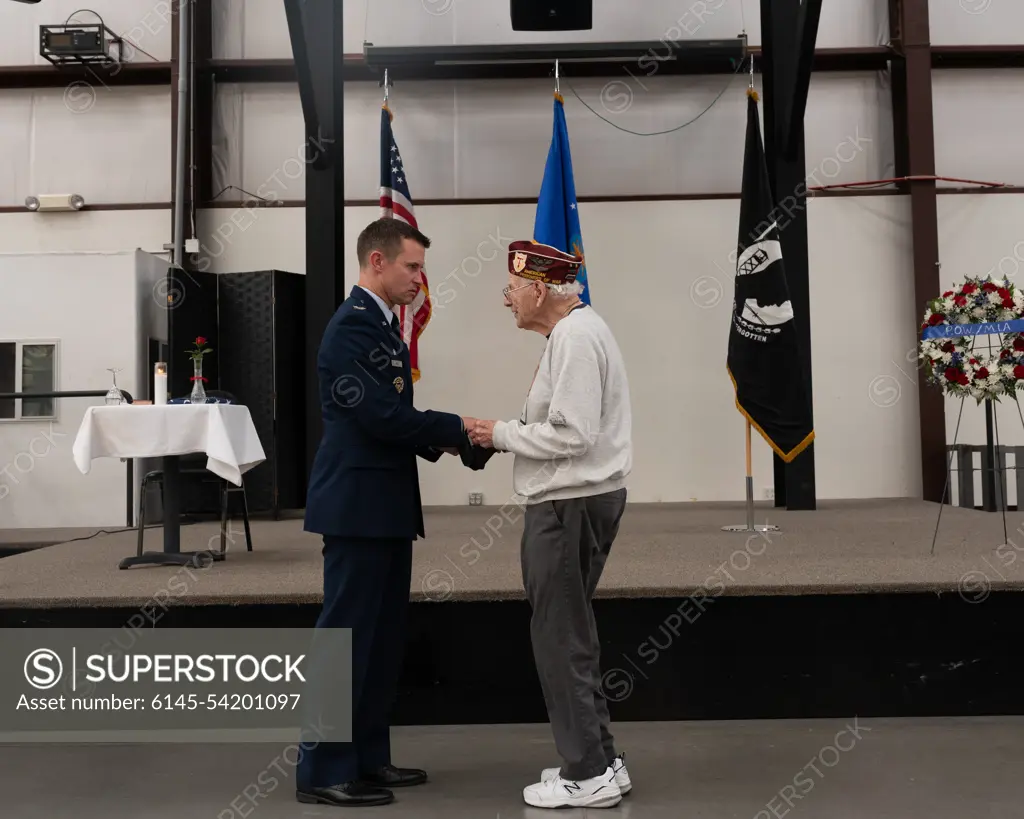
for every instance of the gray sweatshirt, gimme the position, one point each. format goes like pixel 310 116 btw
pixel 574 436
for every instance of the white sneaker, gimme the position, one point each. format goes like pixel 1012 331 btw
pixel 599 792
pixel 618 768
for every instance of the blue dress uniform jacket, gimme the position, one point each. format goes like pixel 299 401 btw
pixel 364 482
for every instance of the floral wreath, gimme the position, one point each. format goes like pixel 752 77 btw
pixel 954 360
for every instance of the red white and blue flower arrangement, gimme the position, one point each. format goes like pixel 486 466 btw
pixel 983 366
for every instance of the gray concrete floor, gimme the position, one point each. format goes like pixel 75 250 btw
pixel 839 769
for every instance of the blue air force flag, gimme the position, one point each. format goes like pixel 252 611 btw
pixel 558 220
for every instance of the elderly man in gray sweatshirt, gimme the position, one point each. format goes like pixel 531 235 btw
pixel 573 452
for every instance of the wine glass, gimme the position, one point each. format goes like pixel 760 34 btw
pixel 114 396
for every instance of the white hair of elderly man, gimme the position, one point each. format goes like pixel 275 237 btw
pixel 572 289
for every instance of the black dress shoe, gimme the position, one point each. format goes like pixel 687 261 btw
pixel 346 794
pixel 389 776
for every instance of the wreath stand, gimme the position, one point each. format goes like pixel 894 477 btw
pixel 994 482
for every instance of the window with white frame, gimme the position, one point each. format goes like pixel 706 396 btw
pixel 28 366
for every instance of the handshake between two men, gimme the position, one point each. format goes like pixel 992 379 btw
pixel 478 443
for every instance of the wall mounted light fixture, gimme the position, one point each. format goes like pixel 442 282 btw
pixel 55 201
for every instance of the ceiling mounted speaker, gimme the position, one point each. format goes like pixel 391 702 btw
pixel 552 15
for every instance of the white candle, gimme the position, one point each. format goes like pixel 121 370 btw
pixel 160 385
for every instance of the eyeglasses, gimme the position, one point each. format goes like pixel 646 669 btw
pixel 506 290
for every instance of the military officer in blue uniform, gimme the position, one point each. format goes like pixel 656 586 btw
pixel 364 499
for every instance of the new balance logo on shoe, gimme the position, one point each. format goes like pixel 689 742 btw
pixel 554 792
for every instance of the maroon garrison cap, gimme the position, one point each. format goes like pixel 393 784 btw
pixel 531 260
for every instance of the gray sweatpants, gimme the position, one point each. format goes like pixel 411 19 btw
pixel 564 548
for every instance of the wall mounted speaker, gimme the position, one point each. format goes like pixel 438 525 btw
pixel 552 15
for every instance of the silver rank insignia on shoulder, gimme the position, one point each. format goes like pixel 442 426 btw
pixel 358 307
pixel 399 383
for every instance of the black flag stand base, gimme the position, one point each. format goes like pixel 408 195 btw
pixel 750 526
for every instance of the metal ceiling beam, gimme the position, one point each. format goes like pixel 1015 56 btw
pixel 355 68
pixel 643 64
pixel 48 76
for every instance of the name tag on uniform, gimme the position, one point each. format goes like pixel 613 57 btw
pixel 395 362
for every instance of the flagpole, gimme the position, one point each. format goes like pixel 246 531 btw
pixel 750 486
pixel 750 526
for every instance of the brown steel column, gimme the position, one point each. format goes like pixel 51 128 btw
pixel 915 155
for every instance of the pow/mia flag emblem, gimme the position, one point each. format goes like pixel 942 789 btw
pixel 764 337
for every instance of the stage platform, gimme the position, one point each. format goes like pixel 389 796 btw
pixel 844 611
pixel 472 554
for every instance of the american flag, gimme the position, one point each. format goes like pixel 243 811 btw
pixel 396 203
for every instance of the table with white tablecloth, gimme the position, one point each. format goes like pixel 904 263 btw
pixel 224 432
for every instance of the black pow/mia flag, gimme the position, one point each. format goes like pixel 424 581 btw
pixel 764 352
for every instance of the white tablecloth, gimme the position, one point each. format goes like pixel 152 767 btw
pixel 224 432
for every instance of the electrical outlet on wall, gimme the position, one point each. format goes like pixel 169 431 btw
pixel 769 494
pixel 476 498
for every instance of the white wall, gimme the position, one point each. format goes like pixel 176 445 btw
pixel 87 303
pixel 258 28
pixel 487 139
pixel 85 230
pixel 975 133
pixel 660 274
pixel 110 145
pixel 72 276
pixel 975 22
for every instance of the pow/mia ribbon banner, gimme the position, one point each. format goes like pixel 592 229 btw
pixel 958 330
pixel 176 685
